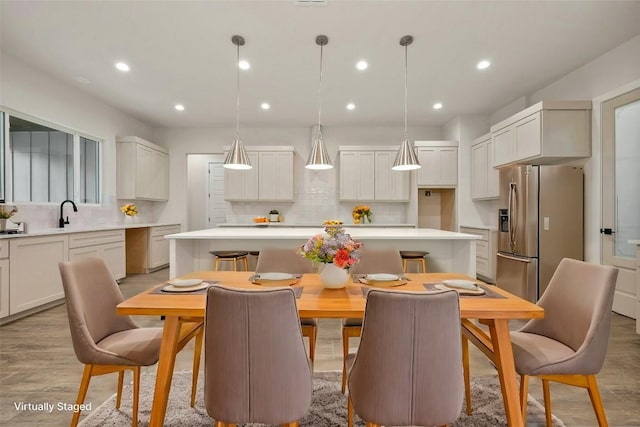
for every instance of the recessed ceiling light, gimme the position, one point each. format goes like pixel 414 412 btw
pixel 179 107
pixel 244 65
pixel 265 106
pixel 482 65
pixel 362 65
pixel 351 106
pixel 437 105
pixel 122 66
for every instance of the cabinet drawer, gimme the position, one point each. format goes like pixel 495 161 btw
pixel 164 230
pixel 80 240
pixel 482 249
pixel 482 267
pixel 4 248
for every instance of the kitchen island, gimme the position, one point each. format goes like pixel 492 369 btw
pixel 448 251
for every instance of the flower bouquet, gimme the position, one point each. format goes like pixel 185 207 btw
pixel 129 209
pixel 336 250
pixel 7 211
pixel 360 213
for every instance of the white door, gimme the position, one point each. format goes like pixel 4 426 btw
pixel 216 205
pixel 621 194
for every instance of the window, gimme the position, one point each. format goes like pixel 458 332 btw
pixel 51 165
pixel 2 148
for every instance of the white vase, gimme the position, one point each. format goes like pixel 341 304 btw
pixel 333 277
pixel 3 224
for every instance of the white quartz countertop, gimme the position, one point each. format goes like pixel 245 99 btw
pixel 311 225
pixel 82 229
pixel 301 233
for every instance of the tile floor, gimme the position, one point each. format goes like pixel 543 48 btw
pixel 37 365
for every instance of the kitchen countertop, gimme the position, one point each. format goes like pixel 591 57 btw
pixel 313 225
pixel 84 229
pixel 259 233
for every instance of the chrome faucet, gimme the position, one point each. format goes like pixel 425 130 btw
pixel 61 221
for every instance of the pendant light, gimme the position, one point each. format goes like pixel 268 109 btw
pixel 406 158
pixel 319 158
pixel 237 157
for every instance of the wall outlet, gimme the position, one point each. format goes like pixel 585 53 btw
pixel 427 193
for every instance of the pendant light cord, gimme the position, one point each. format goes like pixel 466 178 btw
pixel 320 97
pixel 238 93
pixel 406 135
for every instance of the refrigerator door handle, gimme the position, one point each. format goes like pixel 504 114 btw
pixel 513 215
pixel 528 261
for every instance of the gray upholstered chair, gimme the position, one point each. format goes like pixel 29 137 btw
pixel 289 261
pixel 371 261
pixel 408 368
pixel 569 344
pixel 255 365
pixel 106 342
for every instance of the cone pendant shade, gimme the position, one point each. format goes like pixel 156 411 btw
pixel 319 158
pixel 406 158
pixel 237 157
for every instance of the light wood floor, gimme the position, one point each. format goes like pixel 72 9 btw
pixel 37 365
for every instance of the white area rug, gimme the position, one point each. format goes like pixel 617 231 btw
pixel 328 407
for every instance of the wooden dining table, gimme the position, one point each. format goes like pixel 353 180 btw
pixel 493 311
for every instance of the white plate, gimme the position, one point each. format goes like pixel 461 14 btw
pixel 185 283
pixel 461 284
pixel 274 276
pixel 382 277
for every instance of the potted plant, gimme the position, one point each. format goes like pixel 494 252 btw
pixel 274 215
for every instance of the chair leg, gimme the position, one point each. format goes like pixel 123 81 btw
pixel 136 395
pixel 246 264
pixel 293 424
pixel 217 263
pixel 345 353
pixel 120 383
pixel 465 370
pixel 235 264
pixel 596 401
pixel 546 393
pixel 404 265
pixel 524 393
pixel 349 412
pixel 82 392
pixel 312 344
pixel 424 265
pixel 196 365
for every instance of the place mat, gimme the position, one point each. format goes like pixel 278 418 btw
pixel 159 290
pixel 488 293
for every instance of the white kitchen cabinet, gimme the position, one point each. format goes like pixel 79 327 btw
pixel 275 175
pixel 108 245
pixel 357 175
pixel 486 250
pixel 142 169
pixel 33 271
pixel 242 185
pixel 158 255
pixel 4 278
pixel 269 179
pixel 548 132
pixel 484 178
pixel 439 161
pixel 390 185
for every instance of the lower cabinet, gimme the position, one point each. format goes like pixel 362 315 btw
pixel 159 246
pixel 108 245
pixel 33 271
pixel 486 249
pixel 4 278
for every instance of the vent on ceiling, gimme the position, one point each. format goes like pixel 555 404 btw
pixel 310 2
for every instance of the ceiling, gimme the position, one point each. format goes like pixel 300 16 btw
pixel 181 52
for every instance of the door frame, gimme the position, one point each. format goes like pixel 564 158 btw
pixel 594 251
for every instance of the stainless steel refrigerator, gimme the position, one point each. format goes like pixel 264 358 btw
pixel 540 221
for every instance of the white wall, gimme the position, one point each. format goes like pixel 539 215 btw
pixel 315 192
pixel 29 91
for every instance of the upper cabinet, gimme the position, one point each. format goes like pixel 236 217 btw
pixel 270 178
pixel 546 133
pixel 484 178
pixel 439 161
pixel 366 175
pixel 143 169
